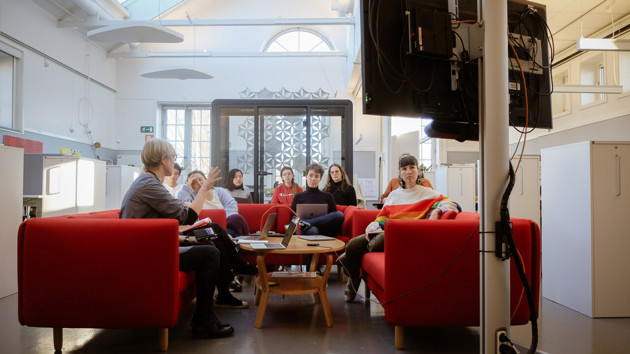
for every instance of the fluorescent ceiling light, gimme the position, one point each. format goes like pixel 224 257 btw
pixel 176 72
pixel 603 44
pixel 135 32
pixel 587 89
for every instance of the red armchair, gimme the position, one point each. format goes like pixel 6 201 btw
pixel 422 279
pixel 98 271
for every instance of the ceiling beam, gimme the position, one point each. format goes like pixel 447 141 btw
pixel 344 21
pixel 202 55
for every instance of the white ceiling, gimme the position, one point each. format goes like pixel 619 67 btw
pixel 567 19
pixel 572 19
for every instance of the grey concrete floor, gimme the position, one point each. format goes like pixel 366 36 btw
pixel 294 324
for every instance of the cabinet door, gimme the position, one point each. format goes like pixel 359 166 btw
pixel 461 187
pixel 611 244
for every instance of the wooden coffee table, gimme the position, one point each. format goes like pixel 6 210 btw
pixel 295 286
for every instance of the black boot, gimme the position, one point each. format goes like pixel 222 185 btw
pixel 211 328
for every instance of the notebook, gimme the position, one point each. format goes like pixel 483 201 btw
pixel 316 238
pixel 198 224
pixel 309 211
pixel 264 233
pixel 278 246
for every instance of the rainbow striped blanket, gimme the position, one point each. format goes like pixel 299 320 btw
pixel 409 211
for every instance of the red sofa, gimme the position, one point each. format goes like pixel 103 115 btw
pixel 95 270
pixel 418 286
pixel 84 270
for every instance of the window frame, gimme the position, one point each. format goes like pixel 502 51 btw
pixel 278 35
pixel 185 158
pixel 17 117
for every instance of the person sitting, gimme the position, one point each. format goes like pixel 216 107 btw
pixel 328 224
pixel 394 184
pixel 339 186
pixel 231 262
pixel 234 184
pixel 411 201
pixel 170 182
pixel 218 198
pixel 147 198
pixel 283 193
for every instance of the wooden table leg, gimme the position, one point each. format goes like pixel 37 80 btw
pixel 313 268
pixel 262 293
pixel 326 306
pixel 262 307
pixel 57 338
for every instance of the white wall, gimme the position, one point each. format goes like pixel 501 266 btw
pixel 51 93
pixel 138 98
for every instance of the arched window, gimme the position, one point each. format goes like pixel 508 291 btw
pixel 298 40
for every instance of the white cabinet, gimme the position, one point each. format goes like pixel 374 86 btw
pixel 10 216
pixel 66 184
pixel 119 178
pixel 525 197
pixel 458 184
pixel 585 227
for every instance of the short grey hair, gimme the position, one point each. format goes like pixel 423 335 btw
pixel 153 152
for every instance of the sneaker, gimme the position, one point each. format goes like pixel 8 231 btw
pixel 236 286
pixel 304 225
pixel 351 289
pixel 229 301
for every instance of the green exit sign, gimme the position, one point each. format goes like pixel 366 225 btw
pixel 146 129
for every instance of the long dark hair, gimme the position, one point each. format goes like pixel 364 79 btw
pixel 293 184
pixel 229 180
pixel 345 182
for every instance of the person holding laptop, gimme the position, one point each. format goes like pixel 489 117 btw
pixel 339 186
pixel 328 224
pixel 146 198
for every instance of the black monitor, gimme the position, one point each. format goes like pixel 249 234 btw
pixel 417 62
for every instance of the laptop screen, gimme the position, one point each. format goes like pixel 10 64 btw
pixel 290 232
pixel 265 230
pixel 309 211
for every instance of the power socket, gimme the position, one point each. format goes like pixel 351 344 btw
pixel 501 331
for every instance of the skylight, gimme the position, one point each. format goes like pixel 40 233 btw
pixel 148 9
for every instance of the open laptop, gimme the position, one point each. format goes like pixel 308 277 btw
pixel 278 246
pixel 264 233
pixel 309 211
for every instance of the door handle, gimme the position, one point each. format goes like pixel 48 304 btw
pixel 263 173
pixel 618 158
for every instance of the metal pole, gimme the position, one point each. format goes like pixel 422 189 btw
pixel 494 273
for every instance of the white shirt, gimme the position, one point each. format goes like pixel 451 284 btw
pixel 173 190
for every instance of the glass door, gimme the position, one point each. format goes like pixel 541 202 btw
pixel 282 143
pixel 259 137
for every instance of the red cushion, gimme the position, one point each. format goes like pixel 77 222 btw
pixel 216 215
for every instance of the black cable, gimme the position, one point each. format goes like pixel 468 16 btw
pixel 518 262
